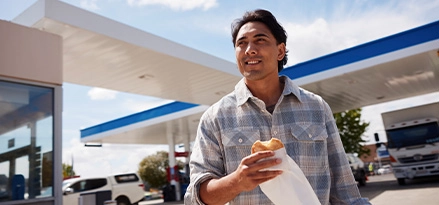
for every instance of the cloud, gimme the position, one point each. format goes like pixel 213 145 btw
pixel 351 26
pixel 306 42
pixel 178 5
pixel 101 94
pixel 309 41
pixel 108 159
pixel 89 5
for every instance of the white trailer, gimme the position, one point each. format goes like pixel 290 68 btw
pixel 413 141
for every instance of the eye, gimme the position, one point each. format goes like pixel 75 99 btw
pixel 240 43
pixel 260 40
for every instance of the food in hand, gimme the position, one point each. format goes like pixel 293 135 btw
pixel 273 144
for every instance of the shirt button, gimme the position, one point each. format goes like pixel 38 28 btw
pixel 240 140
pixel 309 135
pixel 275 133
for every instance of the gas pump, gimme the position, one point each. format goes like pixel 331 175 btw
pixel 172 173
pixel 172 176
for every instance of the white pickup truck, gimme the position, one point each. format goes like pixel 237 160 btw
pixel 125 189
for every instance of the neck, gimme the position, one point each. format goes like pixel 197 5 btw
pixel 268 91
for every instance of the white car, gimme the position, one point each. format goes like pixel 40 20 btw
pixel 125 189
pixel 358 169
pixel 386 169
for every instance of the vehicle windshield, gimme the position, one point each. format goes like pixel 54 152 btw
pixel 414 135
pixel 65 184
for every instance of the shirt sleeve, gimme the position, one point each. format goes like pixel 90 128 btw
pixel 207 161
pixel 344 189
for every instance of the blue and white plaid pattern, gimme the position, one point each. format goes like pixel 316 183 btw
pixel 301 119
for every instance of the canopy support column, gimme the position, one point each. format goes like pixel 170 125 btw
pixel 184 124
pixel 172 162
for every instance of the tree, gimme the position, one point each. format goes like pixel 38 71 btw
pixel 67 171
pixel 152 169
pixel 351 129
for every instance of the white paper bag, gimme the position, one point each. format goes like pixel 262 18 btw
pixel 291 187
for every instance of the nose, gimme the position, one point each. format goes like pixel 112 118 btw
pixel 251 49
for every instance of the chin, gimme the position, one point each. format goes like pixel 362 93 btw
pixel 253 76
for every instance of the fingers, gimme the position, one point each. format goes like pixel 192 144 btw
pixel 248 179
pixel 260 160
pixel 253 158
pixel 266 175
pixel 253 170
pixel 255 166
pixel 263 176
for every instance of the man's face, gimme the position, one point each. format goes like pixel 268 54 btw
pixel 257 53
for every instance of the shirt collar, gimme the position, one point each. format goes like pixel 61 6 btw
pixel 290 87
pixel 243 93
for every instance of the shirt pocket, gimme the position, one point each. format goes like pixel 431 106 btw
pixel 307 146
pixel 237 145
pixel 309 132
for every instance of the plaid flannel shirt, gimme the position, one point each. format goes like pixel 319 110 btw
pixel 302 120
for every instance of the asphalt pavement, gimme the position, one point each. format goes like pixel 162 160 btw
pixel 382 190
pixel 160 202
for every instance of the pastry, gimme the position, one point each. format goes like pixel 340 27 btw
pixel 273 144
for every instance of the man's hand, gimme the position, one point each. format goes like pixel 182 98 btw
pixel 247 176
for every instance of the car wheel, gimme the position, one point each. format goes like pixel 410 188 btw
pixel 363 179
pixel 401 181
pixel 123 201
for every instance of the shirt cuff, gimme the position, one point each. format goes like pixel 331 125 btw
pixel 196 192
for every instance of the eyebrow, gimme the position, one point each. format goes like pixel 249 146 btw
pixel 261 35
pixel 255 36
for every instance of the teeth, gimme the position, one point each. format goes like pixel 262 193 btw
pixel 252 62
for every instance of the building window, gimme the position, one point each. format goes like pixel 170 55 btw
pixel 26 141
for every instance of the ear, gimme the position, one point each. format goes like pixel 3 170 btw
pixel 281 51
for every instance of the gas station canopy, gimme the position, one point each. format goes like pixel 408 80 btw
pixel 101 52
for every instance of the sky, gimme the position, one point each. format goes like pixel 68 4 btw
pixel 314 27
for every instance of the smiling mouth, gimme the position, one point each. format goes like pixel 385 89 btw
pixel 252 62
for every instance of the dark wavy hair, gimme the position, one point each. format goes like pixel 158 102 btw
pixel 270 21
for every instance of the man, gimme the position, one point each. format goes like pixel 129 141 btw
pixel 264 105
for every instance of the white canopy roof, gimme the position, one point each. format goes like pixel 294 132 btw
pixel 101 52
